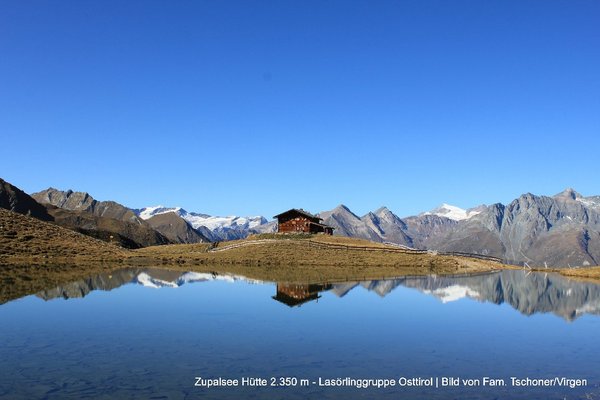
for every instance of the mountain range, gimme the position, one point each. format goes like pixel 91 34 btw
pixel 175 224
pixel 105 220
pixel 555 231
pixel 559 231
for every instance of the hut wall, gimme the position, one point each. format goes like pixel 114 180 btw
pixel 298 224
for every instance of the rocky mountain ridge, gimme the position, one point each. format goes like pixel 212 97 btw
pixel 124 232
pixel 175 224
pixel 82 201
pixel 105 220
pixel 558 231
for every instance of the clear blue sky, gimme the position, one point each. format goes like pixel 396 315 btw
pixel 253 107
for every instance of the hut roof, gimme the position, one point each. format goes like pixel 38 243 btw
pixel 293 301
pixel 299 211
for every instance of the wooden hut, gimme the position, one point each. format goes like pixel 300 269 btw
pixel 298 220
pixel 294 295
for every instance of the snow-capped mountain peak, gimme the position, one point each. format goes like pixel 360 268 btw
pixel 149 212
pixel 218 223
pixel 452 212
pixel 221 228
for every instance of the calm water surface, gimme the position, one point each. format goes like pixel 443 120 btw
pixel 146 334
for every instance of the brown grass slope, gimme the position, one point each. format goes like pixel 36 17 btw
pixel 590 273
pixel 35 255
pixel 23 238
pixel 311 257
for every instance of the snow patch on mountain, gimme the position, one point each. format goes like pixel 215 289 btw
pixel 149 212
pixel 591 202
pixel 216 223
pixel 452 212
pixel 453 293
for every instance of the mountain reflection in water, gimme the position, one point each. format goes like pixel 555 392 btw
pixel 529 293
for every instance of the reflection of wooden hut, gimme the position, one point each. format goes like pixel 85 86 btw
pixel 298 220
pixel 295 294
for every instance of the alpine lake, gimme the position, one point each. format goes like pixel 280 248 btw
pixel 146 333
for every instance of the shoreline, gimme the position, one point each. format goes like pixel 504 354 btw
pixel 20 280
pixel 36 255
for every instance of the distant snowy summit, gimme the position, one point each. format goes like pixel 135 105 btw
pixel 453 212
pixel 197 220
pixel 223 228
pixel 149 212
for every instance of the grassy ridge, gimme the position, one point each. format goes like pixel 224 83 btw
pixel 26 241
pixel 585 273
pixel 290 257
pixel 24 238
